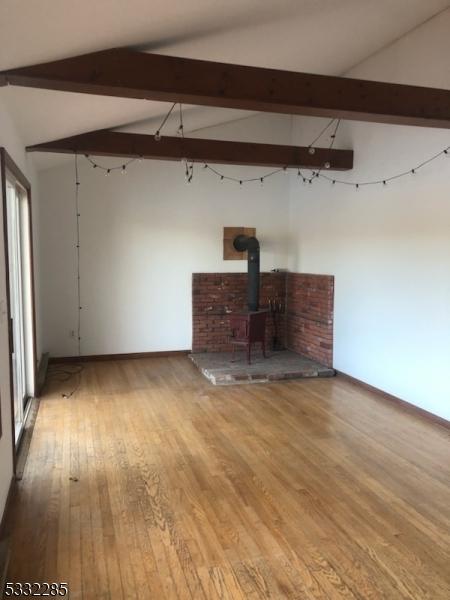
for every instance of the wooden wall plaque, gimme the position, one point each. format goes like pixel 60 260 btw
pixel 229 233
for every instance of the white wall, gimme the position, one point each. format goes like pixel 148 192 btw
pixel 143 234
pixel 9 139
pixel 389 248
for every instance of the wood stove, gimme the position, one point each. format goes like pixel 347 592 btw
pixel 248 328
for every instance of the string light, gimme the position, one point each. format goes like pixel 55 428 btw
pixel 123 167
pixel 189 169
pixel 164 121
pixel 384 181
pixel 77 246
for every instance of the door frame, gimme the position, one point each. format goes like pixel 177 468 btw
pixel 8 165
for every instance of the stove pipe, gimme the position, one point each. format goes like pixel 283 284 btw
pixel 251 245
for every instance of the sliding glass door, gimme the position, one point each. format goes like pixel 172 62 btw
pixel 21 336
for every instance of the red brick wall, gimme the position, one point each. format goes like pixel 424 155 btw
pixel 309 320
pixel 306 327
pixel 216 295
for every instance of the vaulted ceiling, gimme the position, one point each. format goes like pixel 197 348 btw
pixel 326 36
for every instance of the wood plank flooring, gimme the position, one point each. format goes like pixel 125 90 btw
pixel 150 483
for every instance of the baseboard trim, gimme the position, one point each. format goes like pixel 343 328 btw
pixel 25 440
pixel 4 536
pixel 407 406
pixel 130 356
pixel 41 374
pixel 8 503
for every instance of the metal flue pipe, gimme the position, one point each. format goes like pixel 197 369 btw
pixel 244 243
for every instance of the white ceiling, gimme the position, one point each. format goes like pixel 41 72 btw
pixel 319 36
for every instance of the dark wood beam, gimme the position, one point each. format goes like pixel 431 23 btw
pixel 114 143
pixel 130 74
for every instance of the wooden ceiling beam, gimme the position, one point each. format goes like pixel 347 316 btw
pixel 129 145
pixel 128 73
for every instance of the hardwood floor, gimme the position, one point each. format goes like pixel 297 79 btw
pixel 151 483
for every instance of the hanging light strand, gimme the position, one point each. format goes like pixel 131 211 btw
pixel 107 170
pixel 312 144
pixel 241 180
pixel 164 121
pixel 78 215
pixel 315 174
pixel 188 168
pixel 386 180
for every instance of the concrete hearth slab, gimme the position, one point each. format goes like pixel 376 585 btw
pixel 218 368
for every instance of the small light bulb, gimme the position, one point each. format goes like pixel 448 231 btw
pixel 108 171
pixel 157 136
pixel 327 165
pixel 124 170
pixel 311 150
pixel 262 181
